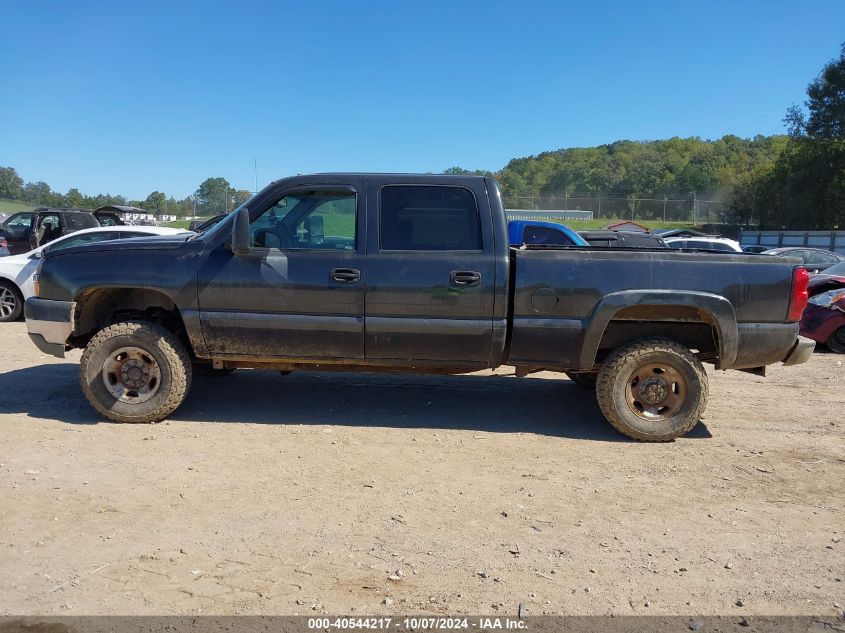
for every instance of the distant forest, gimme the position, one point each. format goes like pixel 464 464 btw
pixel 792 181
pixel 796 180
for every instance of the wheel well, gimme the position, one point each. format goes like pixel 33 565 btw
pixel 9 282
pixel 692 327
pixel 99 308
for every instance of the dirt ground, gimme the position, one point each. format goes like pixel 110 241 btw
pixel 382 494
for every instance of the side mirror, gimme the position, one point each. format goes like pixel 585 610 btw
pixel 240 233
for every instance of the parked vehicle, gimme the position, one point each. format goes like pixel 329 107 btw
pixel 411 273
pixel 17 271
pixel 27 230
pixel 705 244
pixel 755 248
pixel 824 316
pixel 815 259
pixel 623 239
pixel 528 232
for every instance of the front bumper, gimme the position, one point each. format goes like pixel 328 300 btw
pixel 49 324
pixel 800 352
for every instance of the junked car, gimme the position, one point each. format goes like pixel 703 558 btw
pixel 824 317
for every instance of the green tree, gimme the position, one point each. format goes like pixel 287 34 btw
pixel 240 196
pixel 806 188
pixel 11 185
pixel 156 202
pixel 74 199
pixel 214 195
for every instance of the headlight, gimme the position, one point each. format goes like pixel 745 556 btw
pixel 36 284
pixel 829 299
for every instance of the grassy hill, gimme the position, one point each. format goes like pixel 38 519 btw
pixel 13 206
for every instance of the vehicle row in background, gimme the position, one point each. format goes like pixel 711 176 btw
pixel 16 271
pixel 815 259
pixel 26 230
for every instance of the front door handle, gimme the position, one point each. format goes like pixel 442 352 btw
pixel 465 278
pixel 346 275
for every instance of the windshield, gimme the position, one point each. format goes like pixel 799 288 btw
pixel 209 226
pixel 836 269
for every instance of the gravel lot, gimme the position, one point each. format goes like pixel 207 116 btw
pixel 357 493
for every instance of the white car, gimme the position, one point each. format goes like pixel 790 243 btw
pixel 705 243
pixel 16 271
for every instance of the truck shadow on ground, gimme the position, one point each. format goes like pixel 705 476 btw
pixel 501 404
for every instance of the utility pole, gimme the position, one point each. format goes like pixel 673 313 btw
pixel 694 206
pixel 664 208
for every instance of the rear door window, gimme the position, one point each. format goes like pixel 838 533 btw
pixel 428 218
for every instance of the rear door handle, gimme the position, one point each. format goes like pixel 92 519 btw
pixel 465 278
pixel 346 275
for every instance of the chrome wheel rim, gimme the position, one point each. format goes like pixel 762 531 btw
pixel 131 375
pixel 655 391
pixel 8 303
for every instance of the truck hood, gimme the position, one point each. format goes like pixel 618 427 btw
pixel 153 242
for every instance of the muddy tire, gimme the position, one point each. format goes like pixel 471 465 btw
pixel 135 372
pixel 653 389
pixel 836 341
pixel 584 379
pixel 11 302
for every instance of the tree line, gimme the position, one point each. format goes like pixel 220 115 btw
pixel 214 195
pixel 795 180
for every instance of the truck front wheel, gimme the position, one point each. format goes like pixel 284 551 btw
pixel 135 372
pixel 653 390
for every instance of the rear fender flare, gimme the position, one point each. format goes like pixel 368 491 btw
pixel 719 309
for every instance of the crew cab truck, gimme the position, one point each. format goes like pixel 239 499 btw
pixel 413 273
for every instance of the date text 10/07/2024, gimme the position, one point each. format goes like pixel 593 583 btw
pixel 417 623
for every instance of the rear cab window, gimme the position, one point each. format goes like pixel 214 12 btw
pixel 429 218
pixel 532 234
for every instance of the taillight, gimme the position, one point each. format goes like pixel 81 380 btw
pixel 798 300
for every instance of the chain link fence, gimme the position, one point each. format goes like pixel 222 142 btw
pixel 654 208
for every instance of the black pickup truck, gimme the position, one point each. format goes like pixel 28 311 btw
pixel 414 273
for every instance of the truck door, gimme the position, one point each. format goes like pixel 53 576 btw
pixel 430 273
pixel 299 293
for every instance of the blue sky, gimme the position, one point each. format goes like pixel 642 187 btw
pixel 130 97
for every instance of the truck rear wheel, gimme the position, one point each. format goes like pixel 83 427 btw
pixel 653 390
pixel 135 372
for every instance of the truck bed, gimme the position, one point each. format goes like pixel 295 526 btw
pixel 569 303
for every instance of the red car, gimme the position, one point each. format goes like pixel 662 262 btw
pixel 824 317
